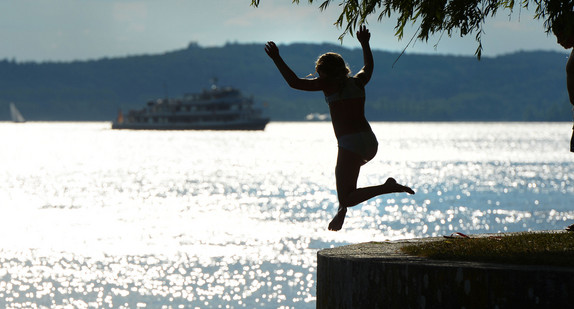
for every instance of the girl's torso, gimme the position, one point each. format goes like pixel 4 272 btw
pixel 347 107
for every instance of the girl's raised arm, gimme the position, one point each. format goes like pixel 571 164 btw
pixel 366 72
pixel 314 84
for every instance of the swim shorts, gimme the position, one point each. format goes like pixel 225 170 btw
pixel 363 143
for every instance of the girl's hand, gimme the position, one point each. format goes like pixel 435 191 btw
pixel 272 50
pixel 363 34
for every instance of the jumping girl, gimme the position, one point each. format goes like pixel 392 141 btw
pixel 345 95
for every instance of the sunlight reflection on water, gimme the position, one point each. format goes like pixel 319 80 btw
pixel 95 218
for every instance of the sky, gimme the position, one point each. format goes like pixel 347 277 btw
pixel 68 30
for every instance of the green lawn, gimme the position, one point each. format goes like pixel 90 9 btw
pixel 532 248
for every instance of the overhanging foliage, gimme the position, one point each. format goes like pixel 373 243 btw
pixel 439 16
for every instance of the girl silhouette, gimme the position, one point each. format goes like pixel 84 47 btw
pixel 345 95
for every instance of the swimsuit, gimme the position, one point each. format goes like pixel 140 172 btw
pixel 350 91
pixel 364 143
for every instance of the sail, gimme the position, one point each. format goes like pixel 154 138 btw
pixel 15 113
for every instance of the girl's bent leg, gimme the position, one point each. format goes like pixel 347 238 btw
pixel 347 173
pixel 360 195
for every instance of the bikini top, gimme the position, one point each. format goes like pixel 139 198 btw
pixel 351 90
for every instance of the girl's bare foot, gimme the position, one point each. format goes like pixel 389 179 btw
pixel 394 187
pixel 337 222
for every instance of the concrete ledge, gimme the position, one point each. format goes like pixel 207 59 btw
pixel 378 275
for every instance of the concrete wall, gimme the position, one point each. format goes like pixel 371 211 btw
pixel 376 275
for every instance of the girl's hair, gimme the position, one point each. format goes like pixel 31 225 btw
pixel 333 65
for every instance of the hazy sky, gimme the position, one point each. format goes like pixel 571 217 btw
pixel 63 30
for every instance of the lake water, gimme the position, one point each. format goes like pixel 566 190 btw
pixel 95 218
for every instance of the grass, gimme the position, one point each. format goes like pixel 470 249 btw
pixel 532 248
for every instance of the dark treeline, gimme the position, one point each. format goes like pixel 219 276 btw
pixel 523 86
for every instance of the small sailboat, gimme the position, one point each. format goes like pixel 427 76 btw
pixel 15 113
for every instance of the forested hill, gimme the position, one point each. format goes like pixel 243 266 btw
pixel 524 86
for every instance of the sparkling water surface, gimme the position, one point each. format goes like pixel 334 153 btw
pixel 97 218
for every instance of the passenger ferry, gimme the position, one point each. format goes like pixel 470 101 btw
pixel 214 109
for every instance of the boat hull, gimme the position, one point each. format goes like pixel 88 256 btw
pixel 252 125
